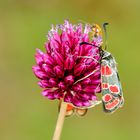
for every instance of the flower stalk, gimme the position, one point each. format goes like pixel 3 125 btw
pixel 60 121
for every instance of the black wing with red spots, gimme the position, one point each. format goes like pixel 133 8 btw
pixel 112 95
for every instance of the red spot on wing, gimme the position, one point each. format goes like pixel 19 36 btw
pixel 107 97
pixel 106 70
pixel 116 102
pixel 113 104
pixel 114 89
pixel 103 70
pixel 105 85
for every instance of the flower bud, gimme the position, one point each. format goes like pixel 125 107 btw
pixel 97 89
pixel 79 69
pixel 93 97
pixel 44 84
pixel 58 94
pixel 59 71
pixel 58 59
pixel 68 97
pixel 96 81
pixel 81 50
pixel 77 87
pixel 92 65
pixel 86 103
pixel 69 63
pixel 86 81
pixel 53 81
pixel 83 96
pixel 48 47
pixel 39 56
pixel 48 93
pixel 90 89
pixel 69 79
pixel 38 72
pixel 49 60
pixel 62 86
pixel 77 102
pixel 96 75
pixel 48 70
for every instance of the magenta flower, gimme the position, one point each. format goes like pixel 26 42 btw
pixel 69 70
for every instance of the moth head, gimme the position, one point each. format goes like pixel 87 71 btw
pixel 106 54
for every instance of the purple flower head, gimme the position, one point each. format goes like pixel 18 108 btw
pixel 69 70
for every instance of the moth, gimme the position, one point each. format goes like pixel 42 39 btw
pixel 112 94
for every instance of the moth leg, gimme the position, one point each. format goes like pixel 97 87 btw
pixel 89 57
pixel 86 76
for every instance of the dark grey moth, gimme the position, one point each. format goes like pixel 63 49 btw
pixel 112 94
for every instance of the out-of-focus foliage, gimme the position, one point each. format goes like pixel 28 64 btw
pixel 24 113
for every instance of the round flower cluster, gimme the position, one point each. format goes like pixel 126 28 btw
pixel 70 69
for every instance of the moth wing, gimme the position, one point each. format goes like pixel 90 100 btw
pixel 111 87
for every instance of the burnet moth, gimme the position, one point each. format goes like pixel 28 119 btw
pixel 112 94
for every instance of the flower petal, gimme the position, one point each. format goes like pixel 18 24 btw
pixel 49 94
pixel 79 69
pixel 39 56
pixel 69 79
pixel 59 71
pixel 49 60
pixel 44 84
pixel 38 72
pixel 53 82
pixel 58 59
pixel 69 63
pixel 68 97
pixel 48 70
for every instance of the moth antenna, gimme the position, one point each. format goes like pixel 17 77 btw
pixel 105 31
pixel 86 43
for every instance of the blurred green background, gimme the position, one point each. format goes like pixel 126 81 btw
pixel 24 113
